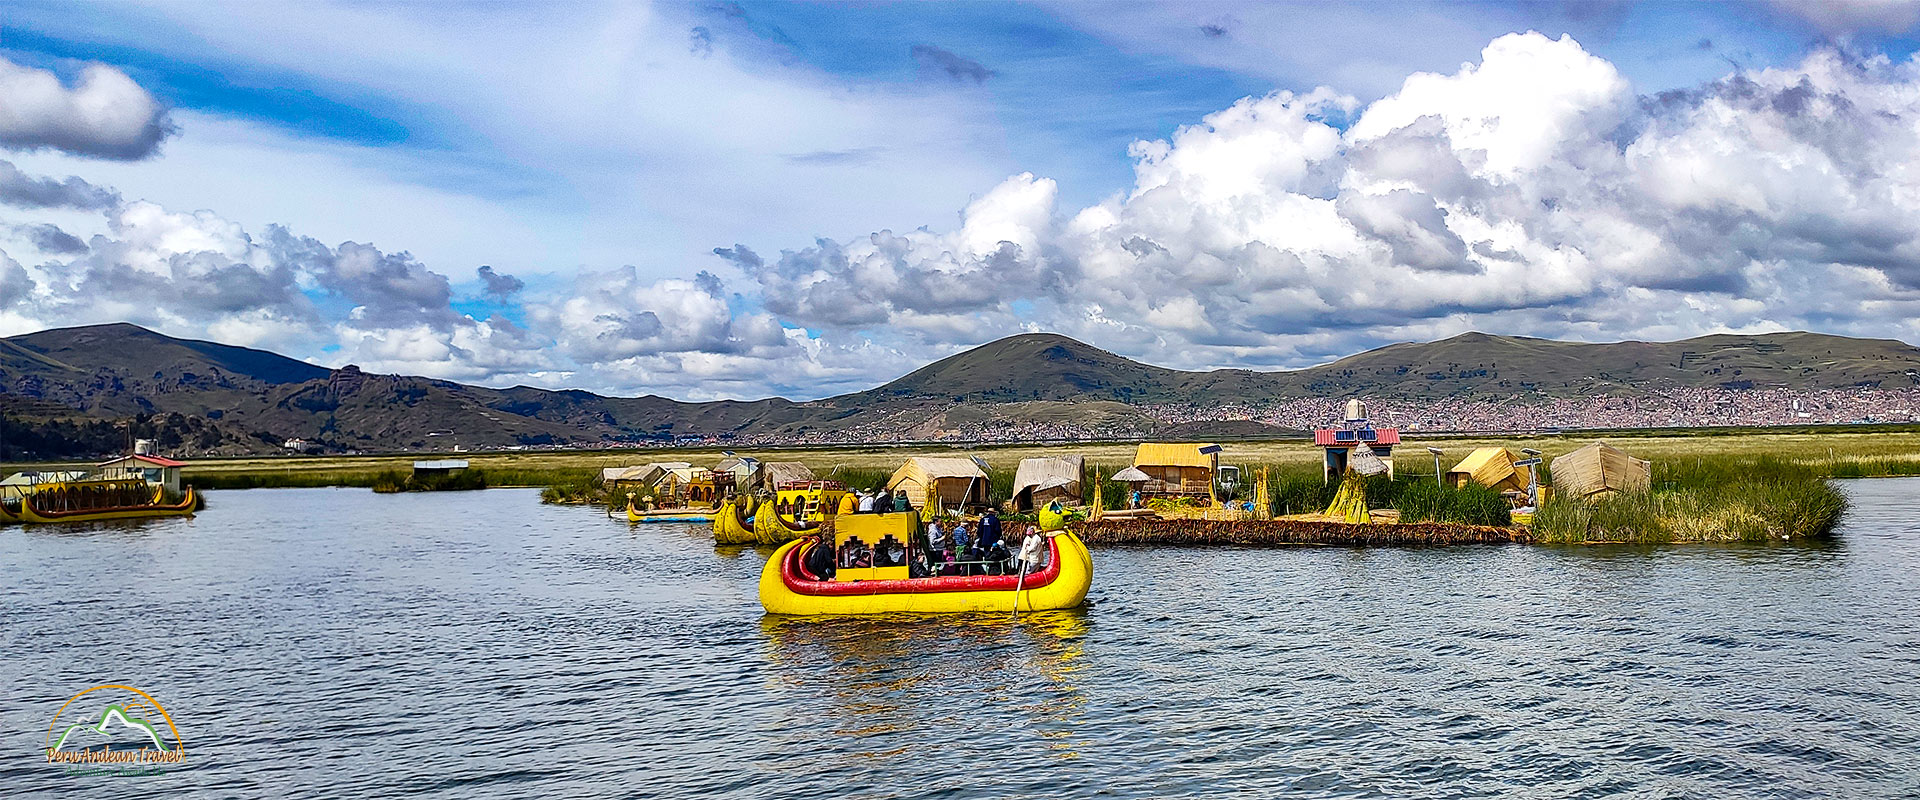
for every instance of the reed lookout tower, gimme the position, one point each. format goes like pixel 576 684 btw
pixel 1355 430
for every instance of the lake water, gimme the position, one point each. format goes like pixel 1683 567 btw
pixel 340 643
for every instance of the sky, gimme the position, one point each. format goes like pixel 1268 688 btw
pixel 737 200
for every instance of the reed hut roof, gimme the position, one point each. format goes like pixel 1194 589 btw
pixel 1599 468
pixel 1491 466
pixel 653 474
pixel 740 466
pixel 927 468
pixel 1172 455
pixel 1131 475
pixel 774 473
pixel 954 480
pixel 619 474
pixel 1061 472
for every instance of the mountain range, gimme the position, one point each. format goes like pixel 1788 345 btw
pixel 203 398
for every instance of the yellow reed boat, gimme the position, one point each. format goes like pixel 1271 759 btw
pixel 733 522
pixel 667 514
pixel 871 554
pixel 32 511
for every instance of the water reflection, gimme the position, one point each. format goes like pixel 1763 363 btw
pixel 871 678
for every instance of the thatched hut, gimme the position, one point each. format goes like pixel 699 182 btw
pixel 1492 467
pixel 771 475
pixel 945 483
pixel 1039 481
pixel 1598 469
pixel 741 467
pixel 1176 469
pixel 663 480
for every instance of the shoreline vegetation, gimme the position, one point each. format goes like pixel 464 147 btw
pixel 1726 500
pixel 1716 486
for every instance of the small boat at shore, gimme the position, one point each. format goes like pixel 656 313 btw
pixel 875 580
pixel 668 514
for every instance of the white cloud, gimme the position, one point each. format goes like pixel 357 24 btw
pixel 104 114
pixel 1531 192
pixel 587 139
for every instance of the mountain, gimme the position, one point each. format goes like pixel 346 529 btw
pixel 198 397
pixel 1035 366
pixel 1045 366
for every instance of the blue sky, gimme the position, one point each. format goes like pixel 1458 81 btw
pixel 601 153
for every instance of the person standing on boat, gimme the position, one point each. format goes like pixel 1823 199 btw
pixel 989 530
pixel 937 542
pixel 1032 550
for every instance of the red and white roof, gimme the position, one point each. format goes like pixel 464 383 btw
pixel 154 460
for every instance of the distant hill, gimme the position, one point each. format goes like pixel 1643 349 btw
pixel 1045 366
pixel 206 397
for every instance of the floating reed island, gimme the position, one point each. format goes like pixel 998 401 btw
pixel 1178 494
pixel 1268 532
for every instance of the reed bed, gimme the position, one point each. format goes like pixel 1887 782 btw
pixel 1181 532
pixel 1700 500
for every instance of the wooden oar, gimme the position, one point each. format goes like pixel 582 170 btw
pixel 1017 585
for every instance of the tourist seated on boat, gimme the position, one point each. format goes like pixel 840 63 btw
pixel 849 503
pixel 820 557
pixel 989 530
pixel 997 558
pixel 866 502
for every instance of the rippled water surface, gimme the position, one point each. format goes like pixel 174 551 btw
pixel 339 643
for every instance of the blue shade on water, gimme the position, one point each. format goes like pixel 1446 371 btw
pixel 339 643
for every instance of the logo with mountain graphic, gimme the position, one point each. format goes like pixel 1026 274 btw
pixel 114 729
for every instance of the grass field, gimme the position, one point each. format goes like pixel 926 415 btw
pixel 1840 453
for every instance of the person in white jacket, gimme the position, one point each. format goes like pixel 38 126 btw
pixel 1033 550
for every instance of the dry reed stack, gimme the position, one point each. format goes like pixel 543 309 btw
pixel 1288 531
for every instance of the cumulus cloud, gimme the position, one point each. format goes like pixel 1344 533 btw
pixel 199 274
pixel 27 191
pixel 1529 192
pixel 1532 191
pixel 104 114
pixel 498 285
pixel 943 285
pixel 49 238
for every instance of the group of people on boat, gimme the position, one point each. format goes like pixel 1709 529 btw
pixel 874 502
pixel 946 548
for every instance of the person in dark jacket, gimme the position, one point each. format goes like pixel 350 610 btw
pixel 989 530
